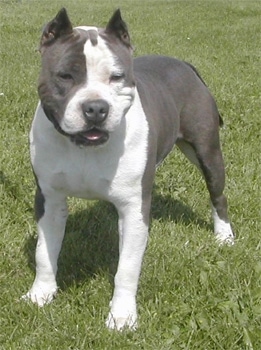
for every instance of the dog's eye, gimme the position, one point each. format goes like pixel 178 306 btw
pixel 117 77
pixel 65 76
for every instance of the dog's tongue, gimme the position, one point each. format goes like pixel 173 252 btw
pixel 93 135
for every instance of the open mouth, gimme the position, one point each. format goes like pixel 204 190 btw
pixel 91 137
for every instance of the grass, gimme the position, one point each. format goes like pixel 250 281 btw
pixel 192 294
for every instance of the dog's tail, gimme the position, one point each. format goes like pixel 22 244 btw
pixel 221 122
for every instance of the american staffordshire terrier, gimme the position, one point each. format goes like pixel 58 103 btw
pixel 103 124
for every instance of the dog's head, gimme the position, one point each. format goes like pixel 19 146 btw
pixel 86 84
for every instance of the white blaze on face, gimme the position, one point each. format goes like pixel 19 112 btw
pixel 101 64
pixel 87 28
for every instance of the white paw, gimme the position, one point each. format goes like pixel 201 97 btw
pixel 122 315
pixel 40 295
pixel 223 230
pixel 119 322
pixel 224 234
pixel 225 238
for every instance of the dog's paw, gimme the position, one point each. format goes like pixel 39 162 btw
pixel 119 323
pixel 223 232
pixel 40 295
pixel 223 238
pixel 123 315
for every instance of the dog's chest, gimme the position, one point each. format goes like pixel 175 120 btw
pixel 110 172
pixel 99 175
pixel 85 174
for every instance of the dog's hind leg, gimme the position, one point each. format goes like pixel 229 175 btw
pixel 208 158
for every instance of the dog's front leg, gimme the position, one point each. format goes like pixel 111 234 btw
pixel 133 240
pixel 51 227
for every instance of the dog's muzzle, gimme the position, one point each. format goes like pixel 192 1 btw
pixel 95 112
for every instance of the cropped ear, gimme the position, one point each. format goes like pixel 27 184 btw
pixel 119 28
pixel 59 26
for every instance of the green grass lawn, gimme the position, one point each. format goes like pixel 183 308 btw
pixel 193 294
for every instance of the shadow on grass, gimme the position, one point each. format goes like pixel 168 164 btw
pixel 90 245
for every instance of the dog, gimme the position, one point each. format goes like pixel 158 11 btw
pixel 103 124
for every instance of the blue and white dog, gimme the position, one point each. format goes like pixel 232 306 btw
pixel 103 124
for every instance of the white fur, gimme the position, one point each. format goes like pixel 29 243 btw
pixel 222 229
pixel 50 236
pixel 87 28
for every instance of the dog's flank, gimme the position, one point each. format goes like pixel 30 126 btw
pixel 221 122
pixel 103 124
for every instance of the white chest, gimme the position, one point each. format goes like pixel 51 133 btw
pixel 110 172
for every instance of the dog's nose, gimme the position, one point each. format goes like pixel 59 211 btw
pixel 95 111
